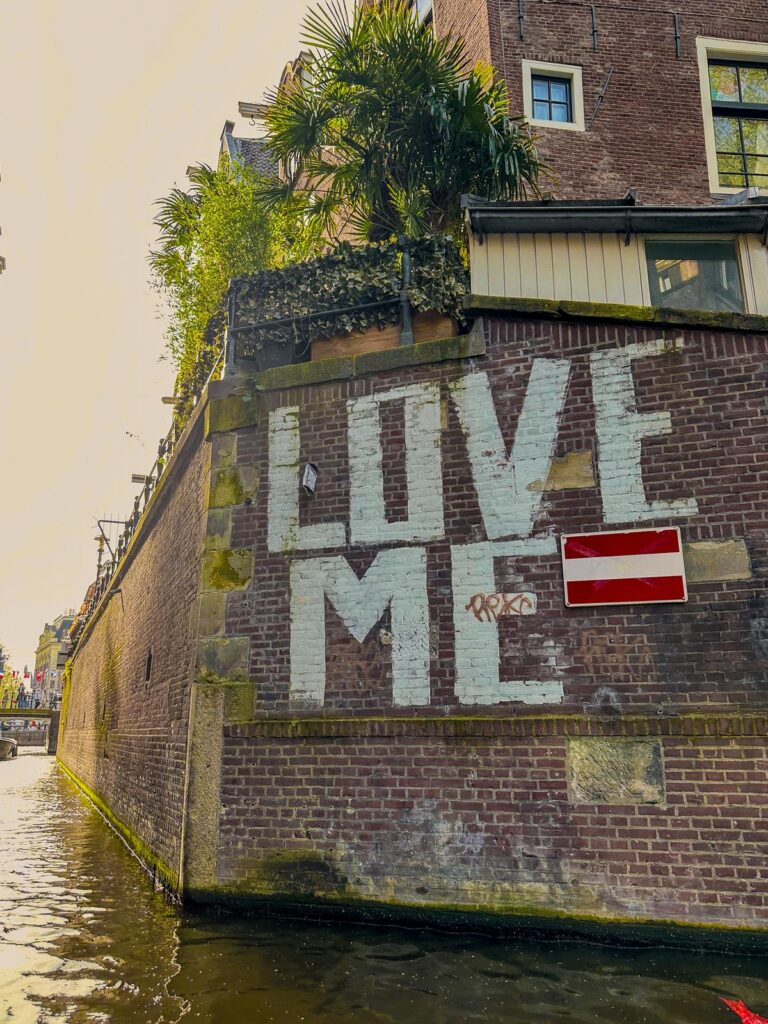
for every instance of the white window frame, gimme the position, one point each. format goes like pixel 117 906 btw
pixel 570 71
pixel 706 49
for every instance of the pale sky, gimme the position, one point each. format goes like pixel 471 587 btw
pixel 103 105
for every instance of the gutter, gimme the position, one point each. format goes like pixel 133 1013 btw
pixel 511 218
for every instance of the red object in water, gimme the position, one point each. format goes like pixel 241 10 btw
pixel 742 1011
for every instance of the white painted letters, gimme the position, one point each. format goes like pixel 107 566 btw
pixel 620 432
pixel 502 482
pixel 397 577
pixel 367 521
pixel 477 641
pixel 509 489
pixel 283 530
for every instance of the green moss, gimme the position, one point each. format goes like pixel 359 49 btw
pixel 158 868
pixel 300 374
pixel 489 919
pixel 345 367
pixel 292 872
pixel 230 569
pixel 231 412
pixel 561 309
pixel 226 488
pixel 223 658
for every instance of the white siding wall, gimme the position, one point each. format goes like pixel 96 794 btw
pixel 589 267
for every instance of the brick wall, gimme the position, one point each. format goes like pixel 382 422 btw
pixel 125 737
pixel 360 728
pixel 477 792
pixel 648 133
pixel 487 822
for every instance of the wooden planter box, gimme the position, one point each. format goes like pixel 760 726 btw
pixel 426 327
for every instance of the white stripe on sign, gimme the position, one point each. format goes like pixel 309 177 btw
pixel 622 567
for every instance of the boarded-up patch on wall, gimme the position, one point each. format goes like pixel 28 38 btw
pixel 615 771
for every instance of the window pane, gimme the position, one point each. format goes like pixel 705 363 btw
pixel 540 89
pixel 732 180
pixel 755 135
pixel 727 134
pixel 730 164
pixel 559 112
pixel 754 84
pixel 723 83
pixel 558 91
pixel 756 165
pixel 540 110
pixel 694 275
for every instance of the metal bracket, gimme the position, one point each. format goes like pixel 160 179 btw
pixel 600 98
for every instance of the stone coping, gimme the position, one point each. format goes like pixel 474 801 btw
pixel 460 346
pixel 698 725
pixel 591 312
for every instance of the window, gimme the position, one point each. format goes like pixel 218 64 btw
pixel 552 96
pixel 148 666
pixel 739 94
pixel 423 8
pixel 734 91
pixel 694 274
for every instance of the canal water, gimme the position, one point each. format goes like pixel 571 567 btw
pixel 84 937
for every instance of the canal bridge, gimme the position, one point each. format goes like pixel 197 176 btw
pixel 51 715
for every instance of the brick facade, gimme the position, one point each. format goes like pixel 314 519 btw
pixel 603 763
pixel 648 133
pixel 124 736
pixel 467 806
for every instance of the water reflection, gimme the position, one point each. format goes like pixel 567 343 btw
pixel 84 938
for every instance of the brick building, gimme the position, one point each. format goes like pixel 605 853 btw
pixel 373 693
pixel 669 99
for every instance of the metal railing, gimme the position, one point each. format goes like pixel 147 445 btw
pixel 105 570
pixel 226 360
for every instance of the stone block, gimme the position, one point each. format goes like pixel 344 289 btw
pixel 231 412
pixel 218 532
pixel 223 450
pixel 239 702
pixel 615 771
pixel 709 561
pixel 229 569
pixel 223 659
pixel 212 614
pixel 567 472
pixel 232 485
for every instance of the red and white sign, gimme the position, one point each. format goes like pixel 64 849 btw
pixel 624 567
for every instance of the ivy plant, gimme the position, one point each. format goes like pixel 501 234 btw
pixel 352 288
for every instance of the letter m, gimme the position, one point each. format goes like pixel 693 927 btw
pixel 397 578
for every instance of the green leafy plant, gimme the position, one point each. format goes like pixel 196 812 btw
pixel 212 232
pixel 349 289
pixel 390 126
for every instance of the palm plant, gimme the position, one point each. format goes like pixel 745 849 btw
pixel 391 125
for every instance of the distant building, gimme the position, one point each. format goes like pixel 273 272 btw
pixel 252 152
pixel 50 658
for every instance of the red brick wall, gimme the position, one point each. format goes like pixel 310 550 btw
pixel 659 659
pixel 123 737
pixel 427 808
pixel 648 133
pixel 488 822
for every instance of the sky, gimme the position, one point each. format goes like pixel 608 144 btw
pixel 103 106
